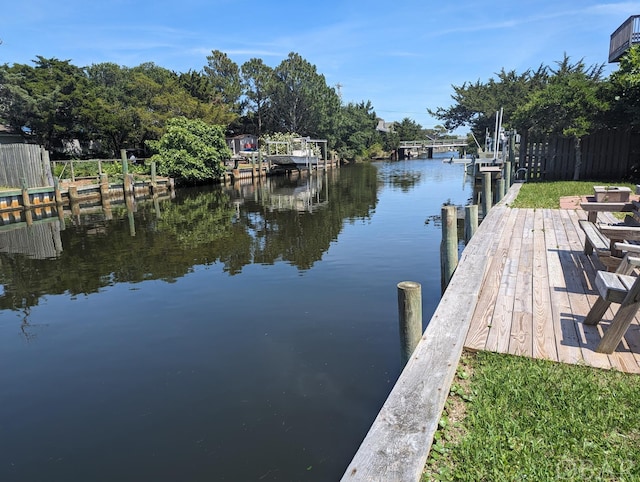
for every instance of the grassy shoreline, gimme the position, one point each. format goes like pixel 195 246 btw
pixel 514 418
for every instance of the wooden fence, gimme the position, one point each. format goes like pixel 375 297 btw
pixel 24 163
pixel 606 155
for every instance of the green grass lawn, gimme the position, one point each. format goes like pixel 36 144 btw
pixel 548 194
pixel 513 418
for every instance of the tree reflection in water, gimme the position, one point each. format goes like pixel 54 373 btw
pixel 235 226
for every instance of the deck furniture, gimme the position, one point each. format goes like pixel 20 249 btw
pixel 618 287
pixel 601 238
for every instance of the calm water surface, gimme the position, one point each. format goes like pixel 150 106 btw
pixel 245 333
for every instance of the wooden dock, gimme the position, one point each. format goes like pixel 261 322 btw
pixel 523 286
pixel 537 290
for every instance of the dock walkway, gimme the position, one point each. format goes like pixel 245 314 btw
pixel 523 286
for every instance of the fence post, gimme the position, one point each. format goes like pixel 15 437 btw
pixel 449 245
pixel 410 317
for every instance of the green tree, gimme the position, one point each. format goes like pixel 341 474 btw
pixel 51 94
pixel 197 84
pixel 301 100
pixel 257 79
pixel 224 79
pixel 623 90
pixel 408 130
pixel 191 150
pixel 17 107
pixel 356 131
pixel 475 104
pixel 112 115
pixel 132 105
pixel 569 105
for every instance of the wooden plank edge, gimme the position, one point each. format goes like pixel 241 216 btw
pixel 397 445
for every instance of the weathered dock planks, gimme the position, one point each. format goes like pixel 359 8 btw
pixel 537 291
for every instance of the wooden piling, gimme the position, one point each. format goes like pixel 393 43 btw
pixel 26 201
pixel 470 221
pixel 499 189
pixel 486 193
pixel 60 212
pixel 507 176
pixel 154 184
pixel 410 317
pixel 449 245
pixel 127 180
pixel 104 187
pixel 125 165
pixel 28 217
pixel 73 193
pixel 56 191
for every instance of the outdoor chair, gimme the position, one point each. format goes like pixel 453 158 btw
pixel 619 287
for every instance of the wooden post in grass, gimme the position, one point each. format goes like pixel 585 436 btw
pixel 410 317
pixel 449 245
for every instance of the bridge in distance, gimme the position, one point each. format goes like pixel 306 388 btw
pixel 427 146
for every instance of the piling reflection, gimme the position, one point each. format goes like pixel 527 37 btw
pixel 292 219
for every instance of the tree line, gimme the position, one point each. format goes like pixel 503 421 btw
pixel 570 99
pixel 105 107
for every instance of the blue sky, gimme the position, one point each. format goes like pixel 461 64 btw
pixel 403 56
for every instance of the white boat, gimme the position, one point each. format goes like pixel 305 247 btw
pixel 298 158
pixel 301 152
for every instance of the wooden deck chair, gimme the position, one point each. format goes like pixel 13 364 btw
pixel 618 287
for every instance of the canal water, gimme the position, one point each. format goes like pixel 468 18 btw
pixel 235 333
